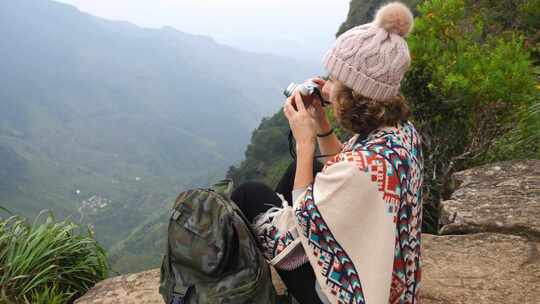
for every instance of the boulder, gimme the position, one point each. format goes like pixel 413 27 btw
pixel 139 288
pixel 502 197
pixel 480 268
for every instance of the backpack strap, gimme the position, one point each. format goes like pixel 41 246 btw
pixel 224 187
pixel 180 298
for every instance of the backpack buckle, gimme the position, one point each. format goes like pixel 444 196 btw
pixel 175 214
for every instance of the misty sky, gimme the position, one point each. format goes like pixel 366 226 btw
pixel 297 28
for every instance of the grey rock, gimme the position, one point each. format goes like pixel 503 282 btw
pixel 502 197
pixel 140 288
pixel 480 268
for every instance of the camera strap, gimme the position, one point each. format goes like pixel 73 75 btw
pixel 292 148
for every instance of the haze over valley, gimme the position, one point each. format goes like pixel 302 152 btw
pixel 106 122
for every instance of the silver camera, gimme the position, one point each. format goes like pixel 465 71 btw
pixel 306 89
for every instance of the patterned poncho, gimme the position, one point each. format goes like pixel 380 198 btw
pixel 358 224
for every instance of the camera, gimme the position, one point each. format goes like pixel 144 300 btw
pixel 308 90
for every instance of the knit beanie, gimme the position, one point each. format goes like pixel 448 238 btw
pixel 372 58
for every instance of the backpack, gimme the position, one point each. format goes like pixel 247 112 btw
pixel 212 255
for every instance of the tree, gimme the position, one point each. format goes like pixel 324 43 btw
pixel 472 89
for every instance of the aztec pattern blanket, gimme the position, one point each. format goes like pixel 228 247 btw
pixel 359 223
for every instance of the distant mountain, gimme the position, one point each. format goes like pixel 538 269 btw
pixel 106 122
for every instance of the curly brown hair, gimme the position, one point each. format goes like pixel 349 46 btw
pixel 360 114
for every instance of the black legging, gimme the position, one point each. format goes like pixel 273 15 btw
pixel 254 198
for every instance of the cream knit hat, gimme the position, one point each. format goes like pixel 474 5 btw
pixel 372 58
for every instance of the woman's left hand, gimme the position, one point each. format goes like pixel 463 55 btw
pixel 301 122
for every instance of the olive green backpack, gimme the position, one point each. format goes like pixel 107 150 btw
pixel 212 255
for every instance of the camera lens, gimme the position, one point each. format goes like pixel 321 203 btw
pixel 290 89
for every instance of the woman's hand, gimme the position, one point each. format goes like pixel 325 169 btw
pixel 317 111
pixel 301 122
pixel 303 128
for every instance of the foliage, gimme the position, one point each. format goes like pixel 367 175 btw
pixel 472 89
pixel 51 295
pixel 47 261
pixel 269 147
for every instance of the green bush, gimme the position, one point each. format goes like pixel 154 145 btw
pixel 47 261
pixel 472 88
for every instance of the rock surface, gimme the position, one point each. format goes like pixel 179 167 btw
pixel 477 268
pixel 138 288
pixel 495 258
pixel 480 268
pixel 502 197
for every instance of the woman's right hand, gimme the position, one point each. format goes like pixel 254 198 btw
pixel 316 110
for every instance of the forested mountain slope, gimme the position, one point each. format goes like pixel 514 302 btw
pixel 105 121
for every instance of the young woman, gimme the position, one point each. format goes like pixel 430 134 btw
pixel 351 232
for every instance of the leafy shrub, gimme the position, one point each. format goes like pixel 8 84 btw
pixel 472 89
pixel 47 261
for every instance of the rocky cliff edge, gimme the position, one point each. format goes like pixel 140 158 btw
pixel 487 250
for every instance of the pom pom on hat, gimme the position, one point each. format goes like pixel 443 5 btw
pixel 395 17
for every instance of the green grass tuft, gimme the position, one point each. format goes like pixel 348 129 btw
pixel 47 261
